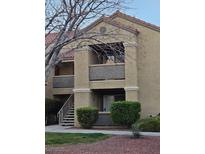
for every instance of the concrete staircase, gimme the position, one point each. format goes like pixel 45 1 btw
pixel 68 119
pixel 66 113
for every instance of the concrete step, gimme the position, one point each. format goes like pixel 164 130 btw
pixel 68 118
pixel 67 124
pixel 64 123
pixel 70 112
pixel 69 115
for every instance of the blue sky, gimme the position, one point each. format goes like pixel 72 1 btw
pixel 147 10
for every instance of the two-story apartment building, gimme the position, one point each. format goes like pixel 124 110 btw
pixel 124 65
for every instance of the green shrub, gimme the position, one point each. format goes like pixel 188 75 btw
pixel 125 113
pixel 151 124
pixel 87 116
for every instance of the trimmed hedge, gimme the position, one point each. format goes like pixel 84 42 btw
pixel 151 124
pixel 125 113
pixel 87 116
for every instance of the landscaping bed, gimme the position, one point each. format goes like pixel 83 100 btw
pixel 112 145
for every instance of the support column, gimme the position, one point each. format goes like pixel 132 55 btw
pixel 131 93
pixel 81 68
pixel 82 98
pixel 131 85
pixel 82 92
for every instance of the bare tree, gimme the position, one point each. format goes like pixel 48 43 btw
pixel 66 18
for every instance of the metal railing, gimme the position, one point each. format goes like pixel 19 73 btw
pixel 65 108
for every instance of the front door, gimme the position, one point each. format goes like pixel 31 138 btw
pixel 107 101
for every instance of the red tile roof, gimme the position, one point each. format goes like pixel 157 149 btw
pixel 50 38
pixel 68 55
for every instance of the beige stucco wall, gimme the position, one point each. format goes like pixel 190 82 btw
pixel 131 72
pixel 148 67
pixel 60 91
pixel 48 90
pixel 49 85
pixel 107 84
pixel 115 35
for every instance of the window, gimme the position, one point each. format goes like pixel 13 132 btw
pixel 107 101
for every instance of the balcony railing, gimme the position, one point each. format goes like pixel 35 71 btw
pixel 107 72
pixel 63 81
pixel 104 119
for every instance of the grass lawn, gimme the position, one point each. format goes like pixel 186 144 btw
pixel 73 138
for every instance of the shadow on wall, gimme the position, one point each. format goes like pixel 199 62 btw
pixel 52 106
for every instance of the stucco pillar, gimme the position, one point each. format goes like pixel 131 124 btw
pixel 131 85
pixel 81 68
pixel 49 85
pixel 82 98
pixel 82 92
pixel 131 93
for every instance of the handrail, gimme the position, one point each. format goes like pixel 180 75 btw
pixel 61 76
pixel 64 109
pixel 65 102
pixel 99 65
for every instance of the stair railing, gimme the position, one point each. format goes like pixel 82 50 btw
pixel 65 108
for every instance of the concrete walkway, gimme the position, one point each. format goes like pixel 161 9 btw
pixel 61 129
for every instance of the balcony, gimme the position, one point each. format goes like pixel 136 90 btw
pixel 114 71
pixel 63 81
pixel 104 119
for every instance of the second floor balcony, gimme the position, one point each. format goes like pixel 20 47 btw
pixel 64 75
pixel 115 71
pixel 63 81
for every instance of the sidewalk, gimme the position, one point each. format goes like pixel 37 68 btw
pixel 61 129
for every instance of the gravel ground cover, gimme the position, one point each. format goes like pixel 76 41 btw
pixel 112 145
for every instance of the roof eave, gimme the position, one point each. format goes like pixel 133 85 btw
pixel 135 20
